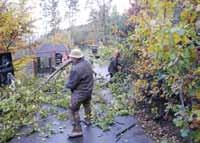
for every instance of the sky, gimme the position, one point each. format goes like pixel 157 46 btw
pixel 82 15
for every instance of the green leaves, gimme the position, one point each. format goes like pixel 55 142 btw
pixel 104 111
pixel 178 122
pixel 195 135
pixel 17 108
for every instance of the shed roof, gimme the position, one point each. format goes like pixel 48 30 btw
pixel 47 50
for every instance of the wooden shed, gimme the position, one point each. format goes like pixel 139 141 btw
pixel 48 56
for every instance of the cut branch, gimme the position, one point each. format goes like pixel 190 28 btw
pixel 52 75
pixel 118 135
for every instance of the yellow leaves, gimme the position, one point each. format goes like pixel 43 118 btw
pixel 166 51
pixel 179 35
pixel 198 94
pixel 114 29
pixel 185 39
pixel 139 85
pixel 151 49
pixel 6 23
pixel 177 38
pixel 22 62
pixel 133 19
pixel 144 15
pixel 168 6
pixel 145 66
pixel 142 18
pixel 188 16
pixel 197 72
pixel 196 109
pixel 14 22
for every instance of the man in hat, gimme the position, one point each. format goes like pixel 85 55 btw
pixel 114 65
pixel 81 85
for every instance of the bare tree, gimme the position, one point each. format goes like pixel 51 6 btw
pixel 99 14
pixel 72 9
pixel 51 14
pixel 70 15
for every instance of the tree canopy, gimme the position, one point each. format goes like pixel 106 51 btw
pixel 15 21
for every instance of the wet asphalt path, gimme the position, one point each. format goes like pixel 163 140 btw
pixel 59 129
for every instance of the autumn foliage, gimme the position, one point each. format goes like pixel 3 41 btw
pixel 15 21
pixel 163 52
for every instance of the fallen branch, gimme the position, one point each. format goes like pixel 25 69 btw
pixel 118 135
pixel 52 75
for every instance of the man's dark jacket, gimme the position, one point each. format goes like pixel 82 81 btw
pixel 113 67
pixel 81 80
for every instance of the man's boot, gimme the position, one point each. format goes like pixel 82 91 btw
pixel 76 131
pixel 71 117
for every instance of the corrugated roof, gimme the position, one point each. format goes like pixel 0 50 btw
pixel 47 50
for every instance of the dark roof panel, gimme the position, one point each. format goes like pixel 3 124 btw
pixel 47 50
